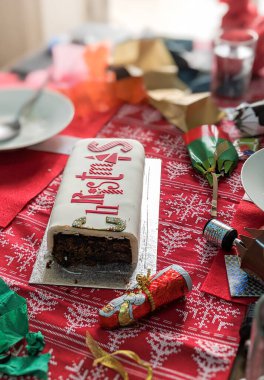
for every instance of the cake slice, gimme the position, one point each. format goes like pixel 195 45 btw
pixel 96 215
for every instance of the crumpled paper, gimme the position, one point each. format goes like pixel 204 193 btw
pixel 249 118
pixel 185 110
pixel 13 308
pixel 13 328
pixel 146 54
pixel 94 88
pixel 27 365
pixel 35 343
pixel 151 59
pixel 68 63
pixel 90 97
pixel 148 74
pixel 165 90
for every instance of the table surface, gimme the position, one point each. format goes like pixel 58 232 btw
pixel 195 338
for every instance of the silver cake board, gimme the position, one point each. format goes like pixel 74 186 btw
pixel 111 276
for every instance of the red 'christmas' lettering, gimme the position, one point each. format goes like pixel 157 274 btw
pixel 84 176
pixel 107 210
pixel 80 198
pixel 94 146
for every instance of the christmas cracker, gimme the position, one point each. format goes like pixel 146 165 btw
pixel 148 294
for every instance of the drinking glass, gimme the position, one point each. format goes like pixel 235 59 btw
pixel 233 58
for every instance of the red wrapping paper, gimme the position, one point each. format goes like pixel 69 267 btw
pixel 244 14
pixel 165 286
pixel 216 282
pixel 24 174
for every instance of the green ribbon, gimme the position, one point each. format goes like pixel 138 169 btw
pixel 14 328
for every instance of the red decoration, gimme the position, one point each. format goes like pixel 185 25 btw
pixel 106 210
pixel 244 14
pixel 94 146
pixel 165 286
pixel 82 198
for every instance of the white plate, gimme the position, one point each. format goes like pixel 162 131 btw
pixel 50 115
pixel 252 177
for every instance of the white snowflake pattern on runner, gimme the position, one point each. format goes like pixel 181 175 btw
pixel 43 202
pixel 164 343
pixel 4 236
pixel 128 109
pixel 77 372
pixel 226 214
pixel 201 179
pixel 137 133
pixel 211 358
pixel 99 373
pixel 170 146
pixel 53 360
pixel 234 182
pixel 206 310
pixel 109 130
pixel 144 136
pixel 206 251
pixel 150 115
pixel 173 238
pixel 25 252
pixel 55 183
pixel 187 207
pixel 117 337
pixel 39 301
pixel 176 169
pixel 80 315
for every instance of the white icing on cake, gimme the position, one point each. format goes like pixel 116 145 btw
pixel 103 177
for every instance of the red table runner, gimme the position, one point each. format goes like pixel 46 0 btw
pixel 192 339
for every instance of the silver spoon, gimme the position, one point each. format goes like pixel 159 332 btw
pixel 11 128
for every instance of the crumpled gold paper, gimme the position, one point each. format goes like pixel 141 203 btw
pixel 150 59
pixel 147 54
pixel 164 77
pixel 185 110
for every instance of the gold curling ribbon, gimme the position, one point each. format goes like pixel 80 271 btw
pixel 221 148
pixel 143 284
pixel 108 360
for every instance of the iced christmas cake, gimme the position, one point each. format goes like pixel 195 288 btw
pixel 96 215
